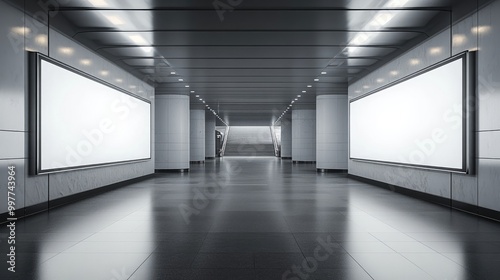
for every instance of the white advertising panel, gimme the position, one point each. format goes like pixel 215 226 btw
pixel 416 122
pixel 83 122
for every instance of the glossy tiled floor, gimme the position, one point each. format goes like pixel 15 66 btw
pixel 254 218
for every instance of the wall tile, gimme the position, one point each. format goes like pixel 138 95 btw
pixel 489 184
pixel 12 69
pixel 12 144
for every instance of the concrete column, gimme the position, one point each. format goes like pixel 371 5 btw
pixel 209 135
pixel 286 137
pixel 304 135
pixel 172 132
pixel 197 136
pixel 331 132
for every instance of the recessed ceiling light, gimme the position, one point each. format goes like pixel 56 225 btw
pixel 181 80
pixel 173 73
pixel 138 39
pixel 316 80
pixel 459 39
pixel 323 73
pixel 67 51
pixel 201 99
pixel 116 20
pixel 296 99
pixel 309 86
pixel 147 49
pixel 435 50
pixel 192 91
pixel 41 39
pixel 381 19
pixel 119 80
pixel 396 3
pixel 19 30
pixel 104 73
pixel 186 86
pixel 299 95
pixel 481 29
pixel 359 39
pixel 197 95
pixel 98 3
pixel 414 61
pixel 304 91
pixel 86 62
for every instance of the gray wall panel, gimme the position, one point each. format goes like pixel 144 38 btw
pixel 197 135
pixel 489 183
pixel 286 136
pixel 12 144
pixel 303 135
pixel 12 69
pixel 331 132
pixel 489 68
pixel 172 115
pixel 209 135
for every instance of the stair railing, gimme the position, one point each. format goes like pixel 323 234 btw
pixel 275 142
pixel 224 142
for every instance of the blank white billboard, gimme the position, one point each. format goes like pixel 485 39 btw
pixel 416 122
pixel 83 122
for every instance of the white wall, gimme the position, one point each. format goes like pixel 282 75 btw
pixel 481 188
pixel 197 135
pixel 303 135
pixel 331 132
pixel 172 132
pixel 14 128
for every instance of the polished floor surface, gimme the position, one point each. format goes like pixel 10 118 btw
pixel 253 218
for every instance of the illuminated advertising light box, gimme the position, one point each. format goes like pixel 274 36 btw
pixel 81 121
pixel 421 121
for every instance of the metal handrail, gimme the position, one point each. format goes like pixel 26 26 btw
pixel 275 142
pixel 225 141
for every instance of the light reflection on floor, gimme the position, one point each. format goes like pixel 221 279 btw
pixel 254 218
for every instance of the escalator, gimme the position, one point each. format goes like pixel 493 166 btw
pixel 249 141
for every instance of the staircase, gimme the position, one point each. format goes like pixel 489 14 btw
pixel 249 141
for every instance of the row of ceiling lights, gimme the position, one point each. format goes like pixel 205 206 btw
pixel 210 109
pixel 200 99
pixel 87 62
pixel 297 99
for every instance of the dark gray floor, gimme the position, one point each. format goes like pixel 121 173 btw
pixel 254 218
